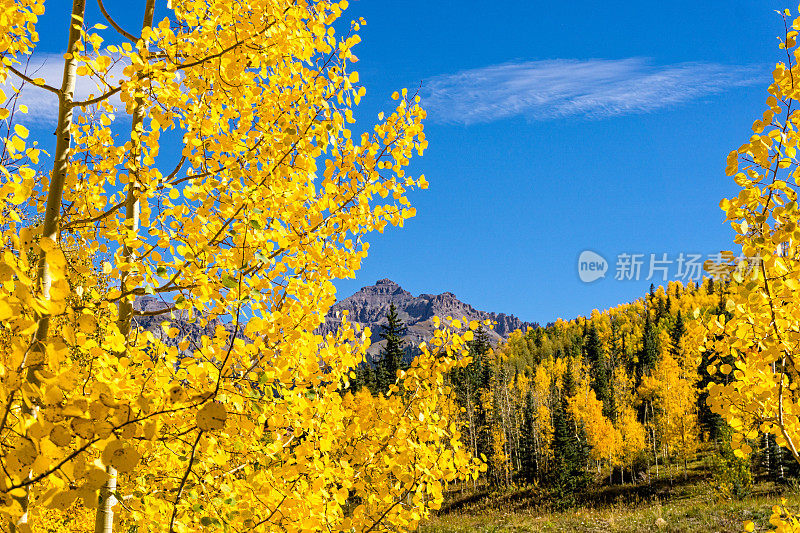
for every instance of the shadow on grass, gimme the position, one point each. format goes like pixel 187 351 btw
pixel 599 495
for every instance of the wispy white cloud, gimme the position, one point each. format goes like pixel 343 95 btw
pixel 42 104
pixel 594 88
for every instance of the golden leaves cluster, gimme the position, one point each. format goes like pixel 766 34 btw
pixel 238 231
pixel 760 332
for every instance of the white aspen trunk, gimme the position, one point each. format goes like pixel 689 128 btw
pixel 104 519
pixel 653 435
pixel 669 463
pixel 683 443
pixel 51 223
pixel 536 447
pixel 655 450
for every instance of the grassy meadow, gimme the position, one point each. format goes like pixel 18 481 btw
pixel 693 504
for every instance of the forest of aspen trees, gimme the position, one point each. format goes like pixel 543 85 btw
pixel 619 396
pixel 215 166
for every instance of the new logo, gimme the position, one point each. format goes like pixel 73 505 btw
pixel 591 266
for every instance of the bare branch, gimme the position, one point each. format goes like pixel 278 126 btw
pixel 100 98
pixel 183 482
pixel 113 23
pixel 30 80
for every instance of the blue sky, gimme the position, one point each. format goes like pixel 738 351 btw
pixel 560 127
pixel 554 128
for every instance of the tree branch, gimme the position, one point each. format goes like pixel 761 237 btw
pixel 100 98
pixel 95 219
pixel 183 483
pixel 113 23
pixel 30 80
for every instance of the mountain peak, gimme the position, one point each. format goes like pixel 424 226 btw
pixel 383 287
pixel 369 306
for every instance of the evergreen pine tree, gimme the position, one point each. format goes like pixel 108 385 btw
pixel 677 333
pixel 661 310
pixel 568 385
pixel 392 354
pixel 527 450
pixel 567 475
pixel 368 377
pixel 601 382
pixel 649 354
pixel 467 384
pixel 479 349
pixel 480 344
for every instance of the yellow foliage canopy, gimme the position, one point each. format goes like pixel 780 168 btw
pixel 268 199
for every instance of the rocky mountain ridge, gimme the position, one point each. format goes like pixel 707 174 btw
pixel 368 307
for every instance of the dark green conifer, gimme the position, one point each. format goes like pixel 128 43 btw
pixel 677 333
pixel 392 353
pixel 649 354
pixel 527 450
pixel 600 371
pixel 567 476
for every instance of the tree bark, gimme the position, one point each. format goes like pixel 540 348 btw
pixel 104 519
pixel 52 214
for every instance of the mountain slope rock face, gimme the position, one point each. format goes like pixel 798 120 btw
pixel 368 307
pixel 143 318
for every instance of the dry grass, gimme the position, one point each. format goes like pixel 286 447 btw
pixel 690 515
pixel 693 506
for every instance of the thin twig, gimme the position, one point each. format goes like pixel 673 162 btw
pixel 113 23
pixel 183 483
pixel 31 81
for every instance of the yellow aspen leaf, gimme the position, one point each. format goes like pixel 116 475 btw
pixel 82 427
pixel 212 417
pixel 60 436
pixel 18 144
pixel 120 455
pixel 176 394
pixel 150 429
pixel 259 240
pixel 5 310
pixel 87 323
pixel 61 500
pixel 95 477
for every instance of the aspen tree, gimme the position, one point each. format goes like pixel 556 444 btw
pixel 760 334
pixel 234 195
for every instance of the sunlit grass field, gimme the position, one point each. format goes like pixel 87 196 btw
pixel 690 505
